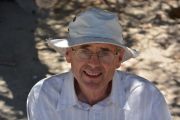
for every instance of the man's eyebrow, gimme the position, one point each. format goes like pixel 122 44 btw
pixel 105 49
pixel 84 46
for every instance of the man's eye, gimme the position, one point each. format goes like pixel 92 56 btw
pixel 85 51
pixel 104 53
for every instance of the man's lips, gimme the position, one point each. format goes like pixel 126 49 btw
pixel 92 74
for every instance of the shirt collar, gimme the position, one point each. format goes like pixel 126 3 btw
pixel 118 94
pixel 67 96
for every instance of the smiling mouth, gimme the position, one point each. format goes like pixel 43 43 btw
pixel 93 74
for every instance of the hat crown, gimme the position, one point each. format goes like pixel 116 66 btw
pixel 96 23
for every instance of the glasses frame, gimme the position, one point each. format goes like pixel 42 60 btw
pixel 100 58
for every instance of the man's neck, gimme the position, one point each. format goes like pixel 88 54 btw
pixel 92 97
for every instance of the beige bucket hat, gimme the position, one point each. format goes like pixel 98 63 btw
pixel 94 26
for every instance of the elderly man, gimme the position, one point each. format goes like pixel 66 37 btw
pixel 93 89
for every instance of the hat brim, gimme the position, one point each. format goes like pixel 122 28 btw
pixel 60 45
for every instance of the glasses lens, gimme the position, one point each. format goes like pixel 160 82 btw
pixel 84 54
pixel 106 56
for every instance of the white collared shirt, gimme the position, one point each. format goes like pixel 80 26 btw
pixel 131 98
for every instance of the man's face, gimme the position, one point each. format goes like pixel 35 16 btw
pixel 90 65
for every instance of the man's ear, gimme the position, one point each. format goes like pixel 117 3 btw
pixel 68 55
pixel 120 57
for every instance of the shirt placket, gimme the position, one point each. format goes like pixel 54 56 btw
pixel 93 114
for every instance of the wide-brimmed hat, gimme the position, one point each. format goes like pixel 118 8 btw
pixel 93 26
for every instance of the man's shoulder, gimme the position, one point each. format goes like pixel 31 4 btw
pixel 132 82
pixel 54 81
pixel 50 85
pixel 46 92
pixel 130 77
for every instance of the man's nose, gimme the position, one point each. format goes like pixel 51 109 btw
pixel 94 60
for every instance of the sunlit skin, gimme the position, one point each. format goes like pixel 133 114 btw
pixel 93 77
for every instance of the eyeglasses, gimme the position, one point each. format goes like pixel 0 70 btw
pixel 103 56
